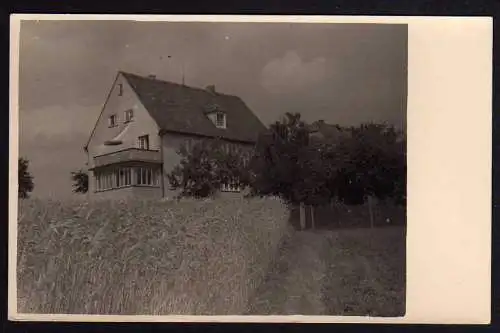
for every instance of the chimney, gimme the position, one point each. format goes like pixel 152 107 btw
pixel 211 89
pixel 152 76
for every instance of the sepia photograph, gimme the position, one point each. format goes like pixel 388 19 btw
pixel 205 168
pixel 250 169
pixel 185 168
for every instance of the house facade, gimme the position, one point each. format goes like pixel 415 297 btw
pixel 143 123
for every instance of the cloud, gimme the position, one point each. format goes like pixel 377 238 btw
pixel 290 73
pixel 56 122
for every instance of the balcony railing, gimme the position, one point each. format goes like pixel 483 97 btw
pixel 127 155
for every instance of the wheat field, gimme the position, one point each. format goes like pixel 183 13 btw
pixel 197 257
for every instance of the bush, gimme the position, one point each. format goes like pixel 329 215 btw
pixel 80 180
pixel 203 169
pixel 25 179
pixel 157 258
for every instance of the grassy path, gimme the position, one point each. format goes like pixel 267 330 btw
pixel 350 272
pixel 365 272
pixel 294 283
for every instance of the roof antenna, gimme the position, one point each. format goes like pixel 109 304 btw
pixel 183 76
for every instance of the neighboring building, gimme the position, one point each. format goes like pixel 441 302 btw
pixel 327 132
pixel 143 123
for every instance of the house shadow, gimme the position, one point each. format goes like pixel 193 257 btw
pixel 340 216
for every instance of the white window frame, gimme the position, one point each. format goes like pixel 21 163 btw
pixel 129 115
pixel 127 176
pixel 105 180
pixel 189 145
pixel 143 144
pixel 123 176
pixel 230 187
pixel 147 176
pixel 222 122
pixel 113 120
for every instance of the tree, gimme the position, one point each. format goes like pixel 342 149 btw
pixel 288 164
pixel 206 167
pixel 278 166
pixel 25 179
pixel 80 181
pixel 375 164
pixel 363 161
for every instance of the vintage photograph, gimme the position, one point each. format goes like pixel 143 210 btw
pixel 212 168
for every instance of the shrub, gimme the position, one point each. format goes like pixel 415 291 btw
pixel 25 179
pixel 203 169
pixel 80 181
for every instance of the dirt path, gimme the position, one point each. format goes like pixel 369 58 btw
pixel 350 272
pixel 294 284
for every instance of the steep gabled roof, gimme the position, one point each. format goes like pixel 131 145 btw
pixel 182 109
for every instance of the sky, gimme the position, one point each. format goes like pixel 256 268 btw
pixel 342 73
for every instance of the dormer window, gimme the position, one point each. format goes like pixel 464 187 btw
pixel 112 120
pixel 216 114
pixel 220 120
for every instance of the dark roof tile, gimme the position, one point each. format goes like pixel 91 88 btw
pixel 179 108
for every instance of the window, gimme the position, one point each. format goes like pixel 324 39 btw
pixel 128 177
pixel 120 89
pixel 247 156
pixel 220 120
pixel 189 145
pixel 129 116
pixel 230 187
pixel 147 176
pixel 104 180
pixel 98 185
pixel 123 177
pixel 144 142
pixel 235 149
pixel 112 120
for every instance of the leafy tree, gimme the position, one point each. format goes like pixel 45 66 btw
pixel 80 181
pixel 374 164
pixel 282 163
pixel 368 160
pixel 203 169
pixel 25 179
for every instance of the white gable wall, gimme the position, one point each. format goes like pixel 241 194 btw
pixel 142 124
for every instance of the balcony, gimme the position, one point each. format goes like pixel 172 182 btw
pixel 127 155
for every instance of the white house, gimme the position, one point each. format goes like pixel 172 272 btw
pixel 143 123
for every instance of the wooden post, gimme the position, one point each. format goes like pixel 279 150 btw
pixel 302 216
pixel 312 217
pixel 370 208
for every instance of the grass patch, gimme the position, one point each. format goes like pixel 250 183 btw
pixel 199 257
pixel 366 272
